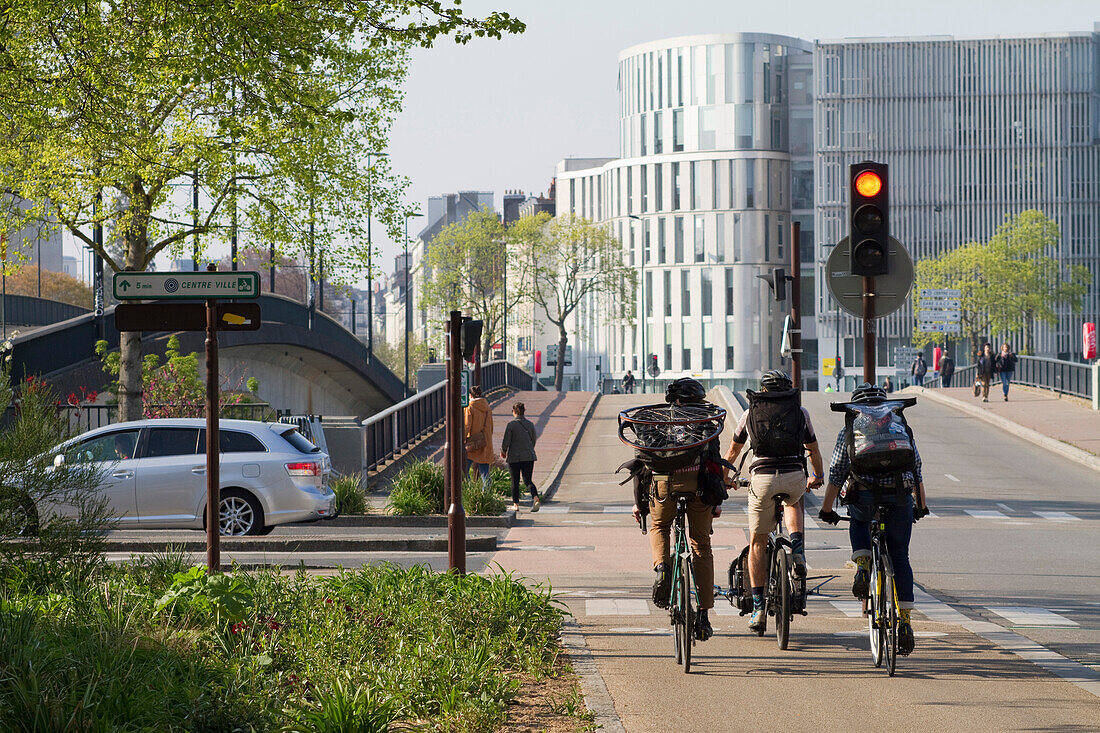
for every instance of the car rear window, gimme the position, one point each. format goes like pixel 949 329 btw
pixel 299 442
pixel 172 442
pixel 233 441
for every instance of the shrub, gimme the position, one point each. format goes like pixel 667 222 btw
pixel 417 489
pixel 350 497
pixel 477 498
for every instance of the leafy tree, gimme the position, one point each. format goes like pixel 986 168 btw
pixel 394 356
pixel 55 286
pixel 1009 284
pixel 570 260
pixel 470 272
pixel 272 106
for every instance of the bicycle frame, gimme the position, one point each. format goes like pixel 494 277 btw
pixel 681 612
pixel 883 618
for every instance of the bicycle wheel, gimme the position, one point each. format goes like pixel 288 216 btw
pixel 782 576
pixel 890 626
pixel 687 612
pixel 874 614
pixel 675 616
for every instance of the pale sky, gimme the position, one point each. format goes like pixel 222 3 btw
pixel 496 115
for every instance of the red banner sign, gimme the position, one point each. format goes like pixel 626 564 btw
pixel 1088 339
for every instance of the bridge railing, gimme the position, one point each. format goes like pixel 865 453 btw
pixel 397 428
pixel 1065 377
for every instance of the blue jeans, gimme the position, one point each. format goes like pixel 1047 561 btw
pixel 1006 377
pixel 918 380
pixel 899 528
pixel 482 468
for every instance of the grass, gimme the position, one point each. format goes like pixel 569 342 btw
pixel 350 497
pixel 418 490
pixel 156 646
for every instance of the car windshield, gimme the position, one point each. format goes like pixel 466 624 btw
pixel 300 442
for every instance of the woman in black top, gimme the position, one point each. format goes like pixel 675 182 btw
pixel 518 449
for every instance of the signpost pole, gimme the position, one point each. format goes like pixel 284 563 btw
pixel 213 442
pixel 456 514
pixel 796 301
pixel 869 329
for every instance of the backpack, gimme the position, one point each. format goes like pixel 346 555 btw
pixel 776 424
pixel 879 440
pixel 920 368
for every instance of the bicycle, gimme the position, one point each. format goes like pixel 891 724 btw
pixel 881 606
pixel 681 608
pixel 784 592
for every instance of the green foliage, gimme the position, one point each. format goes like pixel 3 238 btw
pixel 1009 284
pixel 417 489
pixel 349 495
pixel 394 356
pixel 223 597
pixel 571 258
pixel 479 498
pixel 362 650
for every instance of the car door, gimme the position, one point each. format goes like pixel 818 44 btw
pixel 170 474
pixel 113 452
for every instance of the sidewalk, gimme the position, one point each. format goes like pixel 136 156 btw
pixel 1067 420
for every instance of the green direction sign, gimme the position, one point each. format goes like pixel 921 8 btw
pixel 465 401
pixel 186 285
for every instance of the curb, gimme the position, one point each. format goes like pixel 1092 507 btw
pixel 392 544
pixel 1033 436
pixel 430 520
pixel 567 451
pixel 596 696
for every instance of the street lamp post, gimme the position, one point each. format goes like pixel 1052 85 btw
pixel 645 251
pixel 408 300
pixel 370 258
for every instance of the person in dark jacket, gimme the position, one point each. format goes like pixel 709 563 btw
pixel 1005 365
pixel 628 382
pixel 985 370
pixel 518 449
pixel 947 369
pixel 918 370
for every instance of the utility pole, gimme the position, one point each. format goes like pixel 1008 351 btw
pixel 456 514
pixel 796 301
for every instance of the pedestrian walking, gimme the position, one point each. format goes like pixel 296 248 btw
pixel 479 433
pixel 628 382
pixel 918 370
pixel 888 385
pixel 985 370
pixel 947 369
pixel 518 449
pixel 1005 365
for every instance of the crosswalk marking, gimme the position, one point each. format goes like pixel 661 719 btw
pixel 617 509
pixel 616 607
pixel 951 477
pixel 1058 516
pixel 1027 616
pixel 986 514
pixel 1006 507
pixel 851 609
pixel 555 510
pixel 723 608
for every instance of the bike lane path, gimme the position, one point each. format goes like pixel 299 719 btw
pixel 586 546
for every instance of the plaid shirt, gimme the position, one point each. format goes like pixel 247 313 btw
pixel 840 465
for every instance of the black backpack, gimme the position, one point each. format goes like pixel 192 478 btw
pixel 776 424
pixel 879 439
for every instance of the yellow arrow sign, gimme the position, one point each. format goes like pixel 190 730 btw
pixel 235 320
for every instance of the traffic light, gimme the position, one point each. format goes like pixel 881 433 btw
pixel 654 370
pixel 868 218
pixel 777 281
pixel 470 335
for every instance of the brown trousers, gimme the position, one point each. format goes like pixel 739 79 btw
pixel 662 511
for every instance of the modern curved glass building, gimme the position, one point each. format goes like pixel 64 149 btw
pixel 714 161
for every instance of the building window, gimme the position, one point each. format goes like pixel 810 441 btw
pixel 678 239
pixel 720 239
pixel 736 237
pixel 645 241
pixel 767 238
pixel 729 345
pixel 685 293
pixel 708 350
pixel 658 131
pixel 693 186
pixel 668 347
pixel 700 244
pixel 676 186
pixel 644 137
pixel 661 259
pixel 649 294
pixel 630 190
pixel 715 197
pixel 742 126
pixel 677 130
pixel 706 292
pixel 668 292
pixel 685 347
pixel 679 82
pixel 708 128
pixel 572 194
pixel 779 238
pixel 729 291
pixel 750 183
pixel 658 186
pixel 643 175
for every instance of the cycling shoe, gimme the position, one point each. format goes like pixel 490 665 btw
pixel 905 639
pixel 662 586
pixel 758 621
pixel 703 629
pixel 861 586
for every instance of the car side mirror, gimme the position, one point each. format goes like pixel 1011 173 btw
pixel 59 460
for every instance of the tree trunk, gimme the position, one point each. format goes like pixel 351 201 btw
pixel 559 367
pixel 130 385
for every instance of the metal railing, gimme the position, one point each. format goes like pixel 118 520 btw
pixel 82 418
pixel 1064 377
pixel 395 429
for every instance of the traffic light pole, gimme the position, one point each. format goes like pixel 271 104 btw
pixel 796 301
pixel 456 514
pixel 869 329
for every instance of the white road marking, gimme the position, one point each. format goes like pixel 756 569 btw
pixel 723 608
pixel 1078 674
pixel 589 523
pixel 863 632
pixel 551 548
pixel 1006 507
pixel 617 509
pixel 616 607
pixel 985 514
pixel 1058 516
pixel 555 510
pixel 851 609
pixel 951 477
pixel 1026 616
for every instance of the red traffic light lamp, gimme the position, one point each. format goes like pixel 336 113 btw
pixel 868 218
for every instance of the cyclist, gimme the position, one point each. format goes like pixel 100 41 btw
pixel 700 518
pixel 779 427
pixel 861 493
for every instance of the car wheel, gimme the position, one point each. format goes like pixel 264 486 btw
pixel 239 514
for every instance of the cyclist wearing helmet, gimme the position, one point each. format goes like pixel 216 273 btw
pixel 779 428
pixel 867 491
pixel 700 517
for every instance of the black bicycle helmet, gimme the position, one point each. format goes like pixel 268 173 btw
pixel 775 381
pixel 685 390
pixel 868 392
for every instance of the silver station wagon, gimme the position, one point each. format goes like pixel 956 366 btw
pixel 155 474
